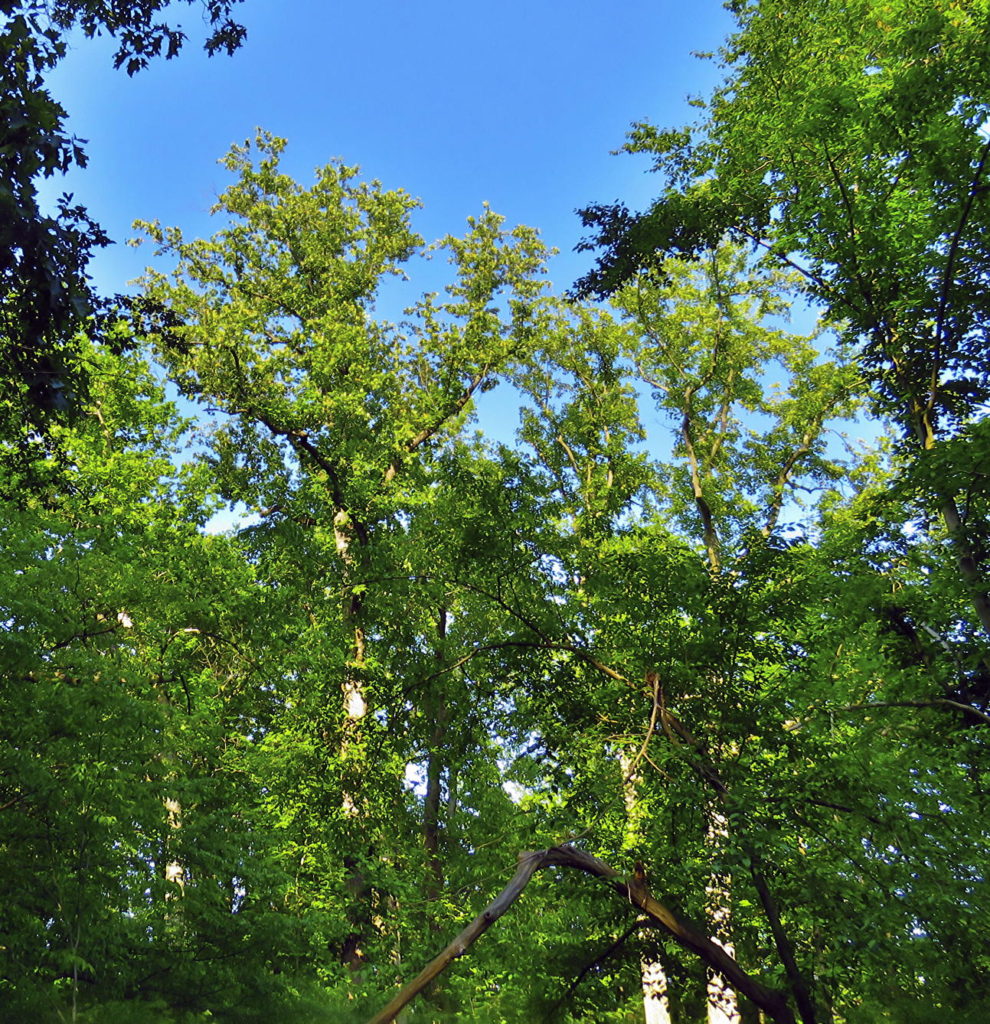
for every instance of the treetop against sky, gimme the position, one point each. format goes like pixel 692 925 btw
pixel 736 761
pixel 515 104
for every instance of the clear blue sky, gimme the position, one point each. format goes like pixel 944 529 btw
pixel 515 103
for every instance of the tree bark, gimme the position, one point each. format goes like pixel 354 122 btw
pixel 723 1006
pixel 653 977
pixel 434 772
pixel 773 1004
pixel 355 707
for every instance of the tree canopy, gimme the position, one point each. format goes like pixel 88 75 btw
pixel 850 143
pixel 45 292
pixel 674 709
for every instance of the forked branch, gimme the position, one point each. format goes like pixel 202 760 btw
pixel 771 1002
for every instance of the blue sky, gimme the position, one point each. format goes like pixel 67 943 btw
pixel 518 104
pixel 514 103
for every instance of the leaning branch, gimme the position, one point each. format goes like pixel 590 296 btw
pixel 938 702
pixel 771 1002
pixel 528 864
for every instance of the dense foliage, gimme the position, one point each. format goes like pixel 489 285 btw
pixel 709 638
pixel 45 293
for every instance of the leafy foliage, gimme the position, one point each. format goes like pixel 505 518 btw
pixel 45 293
pixel 683 625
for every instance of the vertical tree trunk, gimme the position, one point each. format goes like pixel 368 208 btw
pixel 438 708
pixel 656 1002
pixel 175 871
pixel 723 1006
pixel 440 712
pixel 355 707
pixel 968 563
pixel 969 566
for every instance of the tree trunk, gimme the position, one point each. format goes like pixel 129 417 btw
pixel 966 559
pixel 438 708
pixel 656 1004
pixel 175 872
pixel 723 1007
pixel 440 711
pixel 355 707
pixel 969 566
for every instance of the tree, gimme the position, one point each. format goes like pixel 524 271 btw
pixel 572 620
pixel 131 697
pixel 334 416
pixel 849 143
pixel 691 652
pixel 45 294
pixel 769 682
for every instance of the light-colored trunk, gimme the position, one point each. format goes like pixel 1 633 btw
pixel 438 708
pixel 175 871
pixel 355 708
pixel 723 1006
pixel 656 1002
pixel 355 701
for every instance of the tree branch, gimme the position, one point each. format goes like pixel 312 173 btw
pixel 427 432
pixel 653 679
pixel 529 863
pixel 937 702
pixel 771 1002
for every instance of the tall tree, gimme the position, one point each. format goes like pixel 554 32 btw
pixel 768 682
pixel 333 415
pixel 849 143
